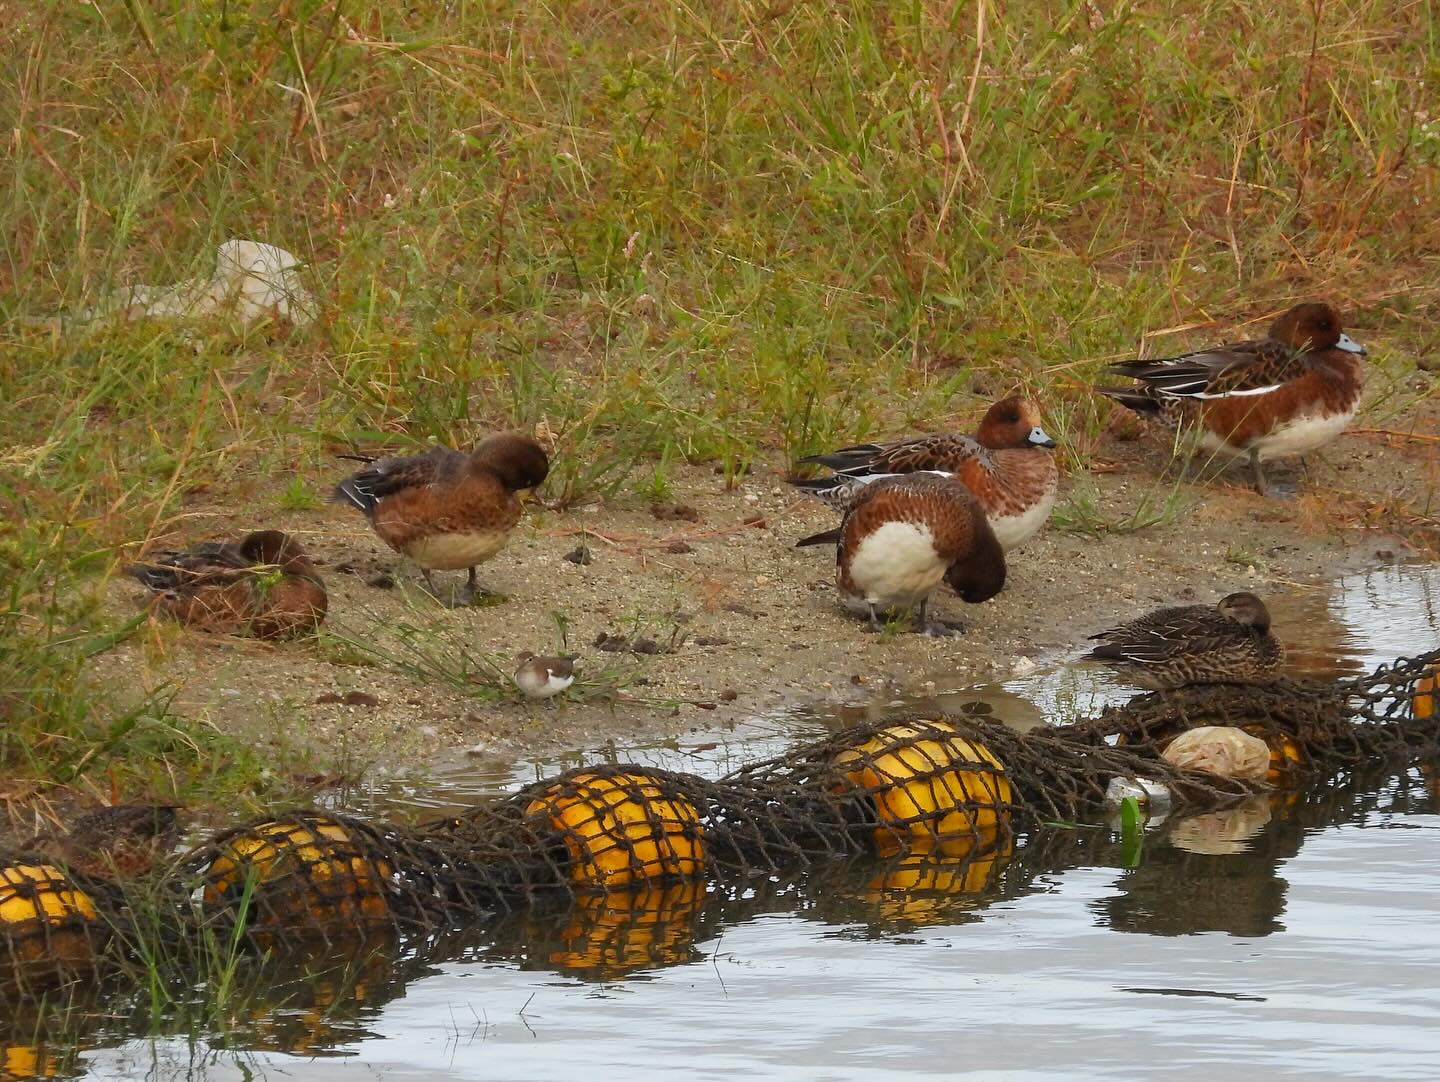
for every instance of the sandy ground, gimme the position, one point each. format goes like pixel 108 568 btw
pixel 740 620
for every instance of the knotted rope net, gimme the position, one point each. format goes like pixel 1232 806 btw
pixel 608 866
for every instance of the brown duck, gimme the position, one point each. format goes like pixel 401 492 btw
pixel 1194 644
pixel 1007 465
pixel 262 585
pixel 901 537
pixel 1286 394
pixel 447 510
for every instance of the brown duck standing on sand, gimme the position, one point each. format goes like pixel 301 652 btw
pixel 447 510
pixel 1194 644
pixel 122 841
pixel 263 585
pixel 1007 465
pixel 1289 393
pixel 902 536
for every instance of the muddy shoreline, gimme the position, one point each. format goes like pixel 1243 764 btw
pixel 730 620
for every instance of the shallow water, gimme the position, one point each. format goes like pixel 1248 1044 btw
pixel 1294 936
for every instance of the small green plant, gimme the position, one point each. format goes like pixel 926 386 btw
pixel 299 495
pixel 1132 832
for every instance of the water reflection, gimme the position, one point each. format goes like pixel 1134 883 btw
pixel 1209 873
pixel 1231 874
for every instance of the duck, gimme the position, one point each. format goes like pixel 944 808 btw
pixel 543 677
pixel 448 510
pixel 1229 643
pixel 902 536
pixel 1007 465
pixel 262 585
pixel 118 841
pixel 1286 394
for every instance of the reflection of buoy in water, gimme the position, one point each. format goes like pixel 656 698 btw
pixel 925 779
pixel 318 1008
pixel 623 828
pixel 46 921
pixel 309 873
pixel 927 882
pixel 632 928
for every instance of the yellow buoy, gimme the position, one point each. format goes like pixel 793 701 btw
pixel 1286 757
pixel 1423 704
pixel 623 828
pixel 29 1061
pixel 45 919
pixel 928 780
pixel 311 871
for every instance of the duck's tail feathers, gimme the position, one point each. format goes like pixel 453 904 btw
pixel 847 458
pixel 829 537
pixel 1139 399
pixel 352 492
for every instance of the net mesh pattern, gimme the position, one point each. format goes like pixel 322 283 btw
pixel 600 859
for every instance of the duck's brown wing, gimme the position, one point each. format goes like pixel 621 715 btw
pixel 387 476
pixel 1164 635
pixel 211 563
pixel 941 453
pixel 1238 370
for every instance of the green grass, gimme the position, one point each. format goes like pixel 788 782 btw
pixel 710 233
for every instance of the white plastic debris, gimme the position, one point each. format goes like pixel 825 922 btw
pixel 1222 750
pixel 251 282
pixel 1147 793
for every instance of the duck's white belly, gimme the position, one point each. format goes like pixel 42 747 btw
pixel 1297 437
pixel 896 566
pixel 1010 530
pixel 456 551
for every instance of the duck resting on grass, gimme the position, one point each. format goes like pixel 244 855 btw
pixel 263 585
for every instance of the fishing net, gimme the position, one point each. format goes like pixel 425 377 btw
pixel 610 867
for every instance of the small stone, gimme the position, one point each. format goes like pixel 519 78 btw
pixel 381 580
pixel 674 512
pixel 580 555
pixel 349 698
pixel 679 548
pixel 1023 666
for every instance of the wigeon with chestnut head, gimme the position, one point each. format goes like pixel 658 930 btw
pixel 263 585
pixel 1229 643
pixel 1290 392
pixel 902 536
pixel 1006 465
pixel 448 510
